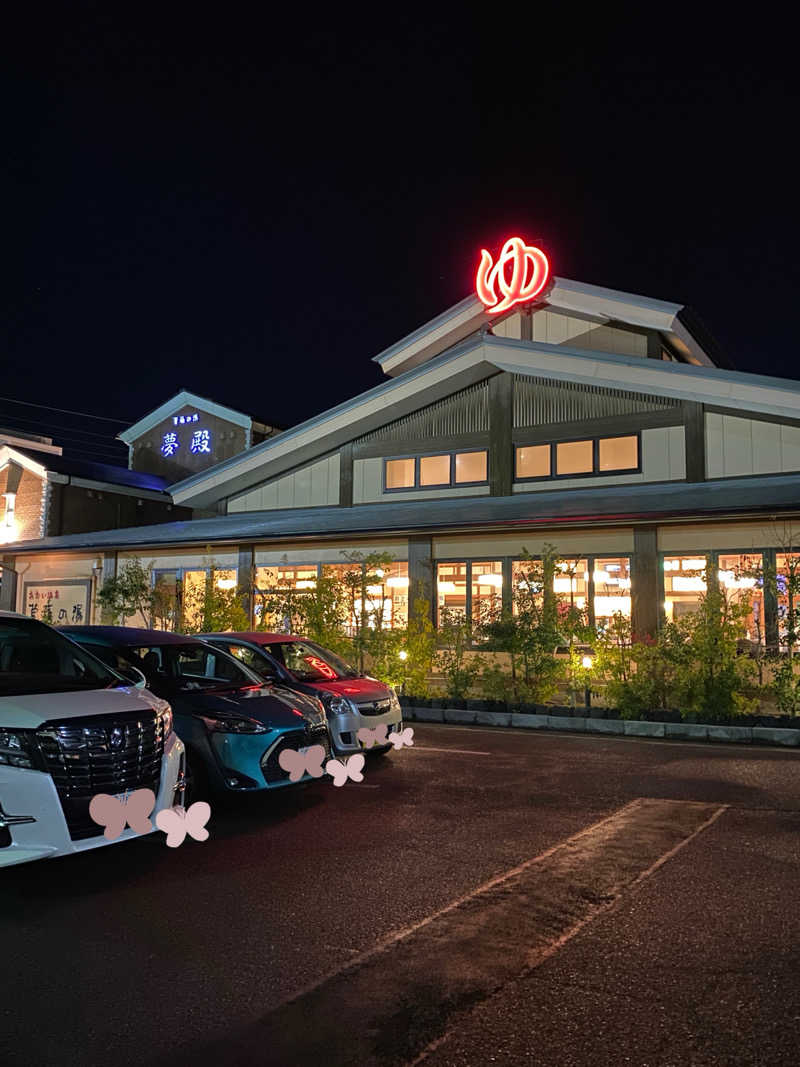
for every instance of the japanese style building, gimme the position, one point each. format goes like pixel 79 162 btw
pixel 604 423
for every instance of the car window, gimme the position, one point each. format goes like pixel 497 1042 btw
pixel 253 659
pixel 37 659
pixel 187 667
pixel 309 662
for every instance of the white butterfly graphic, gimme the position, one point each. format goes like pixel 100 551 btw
pixel 177 822
pixel 400 738
pixel 351 768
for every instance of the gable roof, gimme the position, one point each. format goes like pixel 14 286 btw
pixel 477 358
pixel 592 302
pixel 182 399
pixel 39 463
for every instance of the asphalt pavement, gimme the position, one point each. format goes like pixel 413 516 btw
pixel 488 896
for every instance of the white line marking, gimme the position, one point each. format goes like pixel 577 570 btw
pixel 461 751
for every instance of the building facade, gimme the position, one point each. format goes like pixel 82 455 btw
pixel 600 422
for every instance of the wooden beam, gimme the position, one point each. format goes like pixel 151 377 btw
pixel 501 421
pixel 694 428
pixel 645 584
pixel 346 476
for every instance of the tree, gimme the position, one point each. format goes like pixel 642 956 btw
pixel 128 594
pixel 211 608
pixel 455 637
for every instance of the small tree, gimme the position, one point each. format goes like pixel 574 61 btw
pixel 420 649
pixel 210 608
pixel 455 636
pixel 128 594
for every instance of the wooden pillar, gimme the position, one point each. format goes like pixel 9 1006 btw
pixel 645 583
pixel 501 418
pixel 346 476
pixel 246 576
pixel 694 429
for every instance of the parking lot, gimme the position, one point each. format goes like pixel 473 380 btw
pixel 617 901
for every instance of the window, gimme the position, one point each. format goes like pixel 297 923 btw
pixel 618 453
pixel 684 584
pixel 194 591
pixel 278 584
pixel 741 576
pixel 442 470
pixel 400 473
pixel 451 589
pixel 574 457
pixel 533 462
pixel 433 470
pixel 487 591
pixel 787 581
pixel 612 589
pixel 470 467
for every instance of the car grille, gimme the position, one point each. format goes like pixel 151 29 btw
pixel 375 707
pixel 315 735
pixel 101 755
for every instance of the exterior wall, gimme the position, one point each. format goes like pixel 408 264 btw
pixel 76 509
pixel 368 485
pixel 728 535
pixel 584 542
pixel 737 446
pixel 227 439
pixel 663 460
pixel 184 558
pixel 314 486
pixel 54 567
pixel 327 553
pixel 553 329
pixel 28 505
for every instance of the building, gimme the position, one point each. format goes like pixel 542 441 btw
pixel 601 422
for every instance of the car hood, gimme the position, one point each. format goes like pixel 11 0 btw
pixel 359 690
pixel 267 708
pixel 30 711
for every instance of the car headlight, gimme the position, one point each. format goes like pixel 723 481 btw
pixel 336 705
pixel 234 725
pixel 166 721
pixel 15 748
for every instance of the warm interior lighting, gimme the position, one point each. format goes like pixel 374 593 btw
pixel 682 584
pixel 495 580
pixel 587 663
pixel 446 587
pixel 400 581
pixel 306 583
pixel 693 564
pixel 226 583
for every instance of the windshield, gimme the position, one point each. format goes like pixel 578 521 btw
pixel 183 668
pixel 37 659
pixel 308 662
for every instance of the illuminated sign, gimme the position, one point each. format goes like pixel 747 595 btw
pixel 181 420
pixel 170 444
pixel 520 274
pixel 201 441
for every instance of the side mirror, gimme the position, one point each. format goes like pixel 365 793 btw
pixel 135 676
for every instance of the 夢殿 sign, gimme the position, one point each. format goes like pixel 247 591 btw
pixel 58 602
pixel 518 275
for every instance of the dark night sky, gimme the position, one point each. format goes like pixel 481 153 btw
pixel 253 208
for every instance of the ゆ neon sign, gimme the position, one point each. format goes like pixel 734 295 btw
pixel 520 274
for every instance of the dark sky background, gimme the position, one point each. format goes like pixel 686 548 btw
pixel 252 206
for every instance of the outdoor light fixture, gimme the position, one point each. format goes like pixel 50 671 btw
pixel 587 662
pixel 402 654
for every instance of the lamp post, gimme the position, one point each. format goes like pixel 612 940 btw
pixel 587 662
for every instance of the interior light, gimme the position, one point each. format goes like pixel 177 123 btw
pixel 226 583
pixel 306 584
pixel 399 582
pixel 693 564
pixel 447 587
pixel 490 579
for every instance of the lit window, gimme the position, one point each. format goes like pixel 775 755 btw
pixel 741 576
pixel 470 467
pixel 619 453
pixel 612 589
pixel 487 591
pixel 399 473
pixel 533 461
pixel 575 457
pixel 684 584
pixel 451 589
pixel 434 470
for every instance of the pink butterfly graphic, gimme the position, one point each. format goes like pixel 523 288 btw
pixel 177 822
pixel 113 812
pixel 307 760
pixel 400 738
pixel 375 735
pixel 351 768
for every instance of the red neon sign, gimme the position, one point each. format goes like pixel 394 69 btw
pixel 321 667
pixel 520 274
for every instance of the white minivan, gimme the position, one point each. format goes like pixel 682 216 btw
pixel 71 728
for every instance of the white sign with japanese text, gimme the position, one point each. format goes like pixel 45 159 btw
pixel 58 602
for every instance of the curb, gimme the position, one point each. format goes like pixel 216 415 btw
pixel 676 731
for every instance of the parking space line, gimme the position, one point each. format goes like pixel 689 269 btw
pixel 459 751
pixel 401 997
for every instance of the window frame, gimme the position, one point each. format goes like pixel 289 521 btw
pixel 452 484
pixel 595 472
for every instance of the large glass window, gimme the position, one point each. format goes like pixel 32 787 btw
pixel 741 577
pixel 434 470
pixel 471 467
pixel 788 595
pixel 487 591
pixel 618 453
pixel 575 457
pixel 571 583
pixel 195 587
pixel 684 584
pixel 612 589
pixel 451 588
pixel 444 469
pixel 532 461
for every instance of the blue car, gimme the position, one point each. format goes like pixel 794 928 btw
pixel 233 725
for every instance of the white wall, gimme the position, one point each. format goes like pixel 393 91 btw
pixel 368 485
pixel 553 329
pixel 579 542
pixel 314 486
pixel 736 446
pixel 327 553
pixel 663 460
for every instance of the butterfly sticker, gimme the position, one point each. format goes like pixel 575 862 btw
pixel 351 768
pixel 402 737
pixel 305 761
pixel 114 812
pixel 375 735
pixel 177 822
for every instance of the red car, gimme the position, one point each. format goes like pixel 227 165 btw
pixel 352 700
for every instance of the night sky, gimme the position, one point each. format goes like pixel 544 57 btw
pixel 252 206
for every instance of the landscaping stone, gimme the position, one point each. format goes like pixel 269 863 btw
pixel 456 715
pixel 529 722
pixel 560 722
pixel 686 731
pixel 775 736
pixel 643 729
pixel 494 718
pixel 605 726
pixel 730 733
